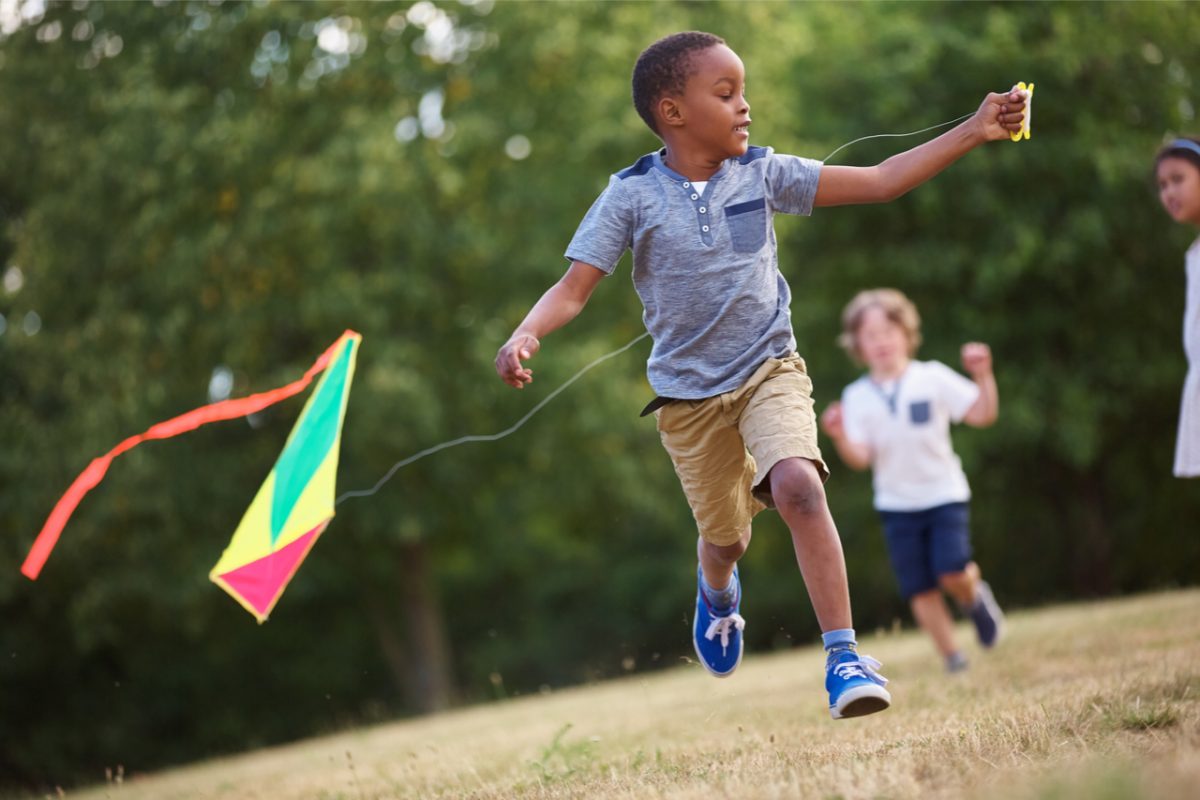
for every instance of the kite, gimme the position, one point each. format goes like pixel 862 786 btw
pixel 294 505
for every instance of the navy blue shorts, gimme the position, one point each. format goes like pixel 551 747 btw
pixel 924 545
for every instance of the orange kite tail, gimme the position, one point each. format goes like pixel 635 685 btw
pixel 215 412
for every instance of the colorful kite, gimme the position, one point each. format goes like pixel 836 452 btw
pixel 292 508
pixel 295 503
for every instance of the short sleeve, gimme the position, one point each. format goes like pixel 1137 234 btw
pixel 957 392
pixel 853 421
pixel 792 183
pixel 606 231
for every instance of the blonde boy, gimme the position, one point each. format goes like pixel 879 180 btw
pixel 896 419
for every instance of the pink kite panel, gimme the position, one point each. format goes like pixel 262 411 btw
pixel 260 582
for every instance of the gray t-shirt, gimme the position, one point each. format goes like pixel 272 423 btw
pixel 704 264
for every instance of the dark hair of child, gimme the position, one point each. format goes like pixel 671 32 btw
pixel 664 68
pixel 1185 153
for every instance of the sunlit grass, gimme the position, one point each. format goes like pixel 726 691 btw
pixel 1098 700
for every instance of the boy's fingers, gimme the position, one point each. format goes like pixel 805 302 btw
pixel 510 363
pixel 1016 94
pixel 509 366
pixel 518 379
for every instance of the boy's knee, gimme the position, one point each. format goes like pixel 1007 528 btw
pixel 796 487
pixel 727 553
pixel 958 584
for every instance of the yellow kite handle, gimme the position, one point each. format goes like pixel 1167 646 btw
pixel 1024 132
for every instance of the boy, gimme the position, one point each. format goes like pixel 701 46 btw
pixel 734 405
pixel 896 420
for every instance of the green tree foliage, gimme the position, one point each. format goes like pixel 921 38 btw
pixel 187 187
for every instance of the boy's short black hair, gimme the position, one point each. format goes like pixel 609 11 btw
pixel 1185 153
pixel 664 68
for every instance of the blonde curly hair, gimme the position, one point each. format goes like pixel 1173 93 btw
pixel 895 306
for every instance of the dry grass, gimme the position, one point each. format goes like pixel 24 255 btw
pixel 1098 700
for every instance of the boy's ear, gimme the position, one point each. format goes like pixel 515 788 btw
pixel 670 111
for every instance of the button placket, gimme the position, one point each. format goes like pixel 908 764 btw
pixel 701 213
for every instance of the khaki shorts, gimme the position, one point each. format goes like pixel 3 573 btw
pixel 724 447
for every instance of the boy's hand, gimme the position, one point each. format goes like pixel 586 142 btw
pixel 521 347
pixel 1001 114
pixel 832 421
pixel 977 359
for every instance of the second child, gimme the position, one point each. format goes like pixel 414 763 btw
pixel 896 420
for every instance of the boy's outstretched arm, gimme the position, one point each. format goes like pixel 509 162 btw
pixel 561 303
pixel 977 361
pixel 997 117
pixel 856 455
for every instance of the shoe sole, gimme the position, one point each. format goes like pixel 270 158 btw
pixel 860 702
pixel 997 615
pixel 997 638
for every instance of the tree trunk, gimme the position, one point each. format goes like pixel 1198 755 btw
pixel 1093 549
pixel 419 658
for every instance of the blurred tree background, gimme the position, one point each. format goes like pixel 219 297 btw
pixel 202 195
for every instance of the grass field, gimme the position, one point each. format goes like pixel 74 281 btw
pixel 1096 700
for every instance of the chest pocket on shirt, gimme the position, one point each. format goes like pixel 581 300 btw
pixel 918 412
pixel 747 225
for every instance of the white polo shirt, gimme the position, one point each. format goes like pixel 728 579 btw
pixel 906 425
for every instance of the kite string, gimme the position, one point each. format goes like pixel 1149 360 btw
pixel 437 448
pixel 491 437
pixel 893 135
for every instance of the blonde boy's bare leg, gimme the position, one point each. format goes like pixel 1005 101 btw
pixel 962 585
pixel 930 611
pixel 975 598
pixel 800 499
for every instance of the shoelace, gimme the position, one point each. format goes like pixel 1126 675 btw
pixel 863 667
pixel 723 627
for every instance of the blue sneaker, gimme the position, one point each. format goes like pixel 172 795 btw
pixel 855 688
pixel 717 635
pixel 987 616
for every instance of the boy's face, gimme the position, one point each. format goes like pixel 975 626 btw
pixel 1179 189
pixel 714 114
pixel 881 343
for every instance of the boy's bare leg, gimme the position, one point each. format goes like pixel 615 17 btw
pixel 962 585
pixel 930 611
pixel 975 598
pixel 717 562
pixel 800 499
pixel 855 688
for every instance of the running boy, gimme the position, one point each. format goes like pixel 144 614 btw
pixel 896 420
pixel 734 403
